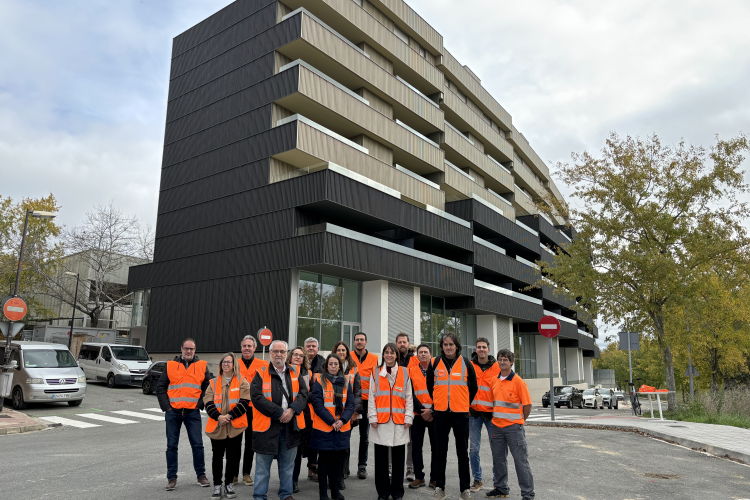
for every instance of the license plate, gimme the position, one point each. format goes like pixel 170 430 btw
pixel 61 396
pixel 137 378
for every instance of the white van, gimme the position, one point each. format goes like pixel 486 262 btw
pixel 116 364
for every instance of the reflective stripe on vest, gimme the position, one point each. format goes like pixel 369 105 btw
pixel 419 383
pixel 262 423
pixel 451 389
pixel 390 402
pixel 234 390
pixel 483 401
pixel 184 390
pixel 249 373
pixel 330 404
pixel 365 372
pixel 504 413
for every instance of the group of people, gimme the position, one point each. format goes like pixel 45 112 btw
pixel 300 404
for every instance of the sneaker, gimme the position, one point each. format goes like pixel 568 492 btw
pixel 229 491
pixel 217 493
pixel 410 474
pixel 172 484
pixel 312 474
pixel 417 483
pixel 248 480
pixel 235 480
pixel 477 485
pixel 432 484
pixel 362 472
pixel 439 494
pixel 466 495
pixel 203 482
pixel 295 487
pixel 496 493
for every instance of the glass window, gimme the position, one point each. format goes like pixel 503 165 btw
pixel 48 358
pixel 525 355
pixel 332 295
pixel 352 301
pixel 435 321
pixel 308 302
pixel 307 328
pixel 130 353
pixel 438 318
pixel 322 303
pixel 330 333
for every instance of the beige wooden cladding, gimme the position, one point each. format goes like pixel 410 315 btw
pixel 376 149
pixel 432 40
pixel 482 128
pixel 376 56
pixel 555 192
pixel 534 185
pixel 279 61
pixel 459 182
pixel 479 160
pixel 281 11
pixel 376 102
pixel 524 202
pixel 327 148
pixel 357 112
pixel 459 72
pixel 529 152
pixel 354 61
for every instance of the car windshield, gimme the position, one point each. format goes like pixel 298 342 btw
pixel 48 358
pixel 588 392
pixel 130 353
pixel 563 390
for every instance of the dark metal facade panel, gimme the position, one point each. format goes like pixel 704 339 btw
pixel 548 293
pixel 214 24
pixel 585 342
pixel 500 263
pixel 569 331
pixel 241 31
pixel 268 41
pixel 498 303
pixel 244 232
pixel 472 210
pixel 352 254
pixel 226 85
pixel 546 257
pixel 548 230
pixel 223 115
pixel 218 313
pixel 227 183
pixel 263 145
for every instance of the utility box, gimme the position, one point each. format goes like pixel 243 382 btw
pixel 59 334
pixel 605 378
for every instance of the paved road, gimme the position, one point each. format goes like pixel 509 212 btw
pixel 116 460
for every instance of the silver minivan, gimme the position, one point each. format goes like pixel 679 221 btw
pixel 44 373
pixel 115 364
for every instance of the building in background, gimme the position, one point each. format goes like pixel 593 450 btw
pixel 329 167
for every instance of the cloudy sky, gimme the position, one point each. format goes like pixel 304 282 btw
pixel 83 84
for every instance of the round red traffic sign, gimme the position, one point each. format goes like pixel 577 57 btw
pixel 14 309
pixel 549 326
pixel 265 336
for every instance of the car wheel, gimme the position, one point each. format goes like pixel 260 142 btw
pixel 617 405
pixel 110 381
pixel 570 405
pixel 146 387
pixel 545 405
pixel 580 405
pixel 75 403
pixel 18 402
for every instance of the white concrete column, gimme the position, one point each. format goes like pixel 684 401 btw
pixel 487 327
pixel 542 357
pixel 417 317
pixel 375 314
pixel 588 371
pixel 571 362
pixel 504 334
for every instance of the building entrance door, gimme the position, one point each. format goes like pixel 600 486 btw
pixel 348 332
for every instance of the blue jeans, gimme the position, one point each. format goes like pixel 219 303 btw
pixel 475 442
pixel 285 460
pixel 193 425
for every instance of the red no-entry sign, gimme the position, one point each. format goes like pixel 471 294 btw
pixel 549 326
pixel 14 309
pixel 265 336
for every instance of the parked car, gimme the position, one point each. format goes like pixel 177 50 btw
pixel 565 395
pixel 592 399
pixel 609 399
pixel 152 377
pixel 620 395
pixel 44 373
pixel 115 364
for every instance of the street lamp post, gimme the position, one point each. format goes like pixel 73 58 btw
pixel 75 301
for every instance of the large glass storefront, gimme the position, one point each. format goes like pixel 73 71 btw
pixel 328 309
pixel 435 320
pixel 524 350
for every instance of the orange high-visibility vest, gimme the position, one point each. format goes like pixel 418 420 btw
pixel 451 389
pixel 249 373
pixel 262 423
pixel 419 384
pixel 483 401
pixel 234 398
pixel 390 402
pixel 365 371
pixel 184 389
pixel 505 410
pixel 330 404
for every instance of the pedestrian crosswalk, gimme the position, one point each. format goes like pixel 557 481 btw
pixel 547 417
pixel 84 420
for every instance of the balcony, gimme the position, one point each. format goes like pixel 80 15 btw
pixel 458 185
pixel 527 153
pixel 412 23
pixel 549 234
pixel 526 178
pixel 501 267
pixel 499 300
pixel 523 201
pixel 460 151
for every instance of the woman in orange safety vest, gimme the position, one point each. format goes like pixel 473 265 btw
pixel 227 403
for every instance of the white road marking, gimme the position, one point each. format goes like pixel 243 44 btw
pixel 67 421
pixel 106 418
pixel 136 414
pixel 158 410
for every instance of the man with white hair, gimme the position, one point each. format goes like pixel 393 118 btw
pixel 278 402
pixel 249 364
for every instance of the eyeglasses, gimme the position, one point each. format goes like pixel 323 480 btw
pixel 188 348
pixel 278 352
pixel 298 355
pixel 227 362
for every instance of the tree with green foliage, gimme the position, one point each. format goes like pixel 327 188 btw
pixel 652 221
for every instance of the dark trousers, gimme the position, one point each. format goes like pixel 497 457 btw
pixel 364 438
pixel 417 445
pixel 232 447
pixel 247 456
pixel 329 471
pixel 393 485
pixel 312 457
pixel 345 462
pixel 192 420
pixel 297 466
pixel 445 421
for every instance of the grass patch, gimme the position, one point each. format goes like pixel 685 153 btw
pixel 730 407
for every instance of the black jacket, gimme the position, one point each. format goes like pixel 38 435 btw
pixel 471 376
pixel 405 360
pixel 316 365
pixel 267 442
pixel 163 384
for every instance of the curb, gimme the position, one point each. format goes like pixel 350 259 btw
pixel 26 428
pixel 718 451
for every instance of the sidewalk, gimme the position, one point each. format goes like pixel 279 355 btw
pixel 13 422
pixel 719 440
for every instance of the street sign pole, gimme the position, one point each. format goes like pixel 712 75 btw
pixel 551 382
pixel 549 327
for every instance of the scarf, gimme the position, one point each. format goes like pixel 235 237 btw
pixel 338 383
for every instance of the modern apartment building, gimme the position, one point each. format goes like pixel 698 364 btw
pixel 329 167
